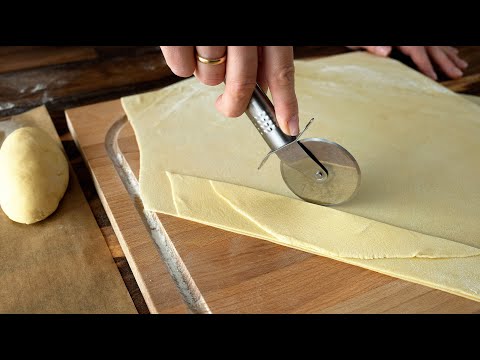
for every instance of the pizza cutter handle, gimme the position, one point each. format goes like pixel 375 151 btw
pixel 261 112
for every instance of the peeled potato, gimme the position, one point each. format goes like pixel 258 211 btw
pixel 33 175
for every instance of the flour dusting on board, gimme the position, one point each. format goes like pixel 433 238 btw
pixel 6 128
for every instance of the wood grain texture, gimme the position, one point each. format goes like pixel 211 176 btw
pixel 17 58
pixel 88 188
pixel 82 82
pixel 241 274
pixel 149 270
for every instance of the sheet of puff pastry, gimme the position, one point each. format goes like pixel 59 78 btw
pixel 416 215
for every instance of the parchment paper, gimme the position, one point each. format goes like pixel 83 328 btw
pixel 61 264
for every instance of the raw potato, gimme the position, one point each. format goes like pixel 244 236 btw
pixel 33 175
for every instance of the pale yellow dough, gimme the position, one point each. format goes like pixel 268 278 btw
pixel 33 175
pixel 417 143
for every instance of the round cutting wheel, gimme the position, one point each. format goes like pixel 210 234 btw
pixel 307 180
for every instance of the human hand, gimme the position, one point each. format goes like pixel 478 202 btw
pixel 425 57
pixel 271 66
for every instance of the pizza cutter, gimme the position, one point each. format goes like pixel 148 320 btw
pixel 316 170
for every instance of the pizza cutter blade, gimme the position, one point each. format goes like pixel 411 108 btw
pixel 316 170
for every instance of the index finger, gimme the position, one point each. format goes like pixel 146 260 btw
pixel 240 80
pixel 180 59
pixel 280 74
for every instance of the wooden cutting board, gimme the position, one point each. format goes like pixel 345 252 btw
pixel 235 273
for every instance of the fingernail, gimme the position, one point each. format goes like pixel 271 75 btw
pixel 433 75
pixel 457 72
pixel 293 126
pixel 383 50
pixel 463 63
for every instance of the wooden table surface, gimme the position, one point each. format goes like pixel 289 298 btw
pixel 67 77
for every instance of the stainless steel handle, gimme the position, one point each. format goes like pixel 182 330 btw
pixel 261 112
